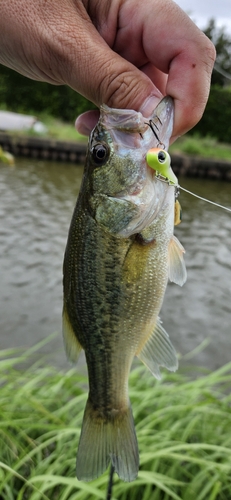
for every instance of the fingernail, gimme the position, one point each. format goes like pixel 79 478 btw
pixel 149 105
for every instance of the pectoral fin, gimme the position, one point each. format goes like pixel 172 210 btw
pixel 158 351
pixel 177 270
pixel 72 346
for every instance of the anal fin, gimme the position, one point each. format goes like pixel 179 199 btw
pixel 177 270
pixel 71 343
pixel 158 351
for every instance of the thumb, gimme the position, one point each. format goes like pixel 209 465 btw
pixel 92 68
pixel 108 78
pixel 61 45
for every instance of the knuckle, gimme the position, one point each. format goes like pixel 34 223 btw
pixel 209 51
pixel 121 88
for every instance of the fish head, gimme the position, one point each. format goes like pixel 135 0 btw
pixel 117 168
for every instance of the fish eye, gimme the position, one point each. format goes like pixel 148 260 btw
pixel 100 153
pixel 162 156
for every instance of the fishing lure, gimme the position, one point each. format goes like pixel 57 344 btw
pixel 160 161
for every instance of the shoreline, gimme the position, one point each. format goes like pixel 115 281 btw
pixel 44 149
pixel 73 152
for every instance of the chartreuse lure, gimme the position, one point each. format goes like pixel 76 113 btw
pixel 160 160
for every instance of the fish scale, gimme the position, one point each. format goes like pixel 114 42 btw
pixel 119 255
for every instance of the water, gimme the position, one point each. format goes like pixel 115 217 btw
pixel 36 204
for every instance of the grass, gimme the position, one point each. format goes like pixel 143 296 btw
pixel 56 129
pixel 183 428
pixel 59 130
pixel 206 147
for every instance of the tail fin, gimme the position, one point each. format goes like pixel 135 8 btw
pixel 104 439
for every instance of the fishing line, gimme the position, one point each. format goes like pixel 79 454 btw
pixel 160 161
pixel 164 179
pixel 110 483
pixel 204 199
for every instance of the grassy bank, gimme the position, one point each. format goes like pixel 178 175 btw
pixel 183 429
pixel 206 147
pixel 56 129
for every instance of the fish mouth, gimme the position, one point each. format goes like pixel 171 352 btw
pixel 123 120
pixel 134 130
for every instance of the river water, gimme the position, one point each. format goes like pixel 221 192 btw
pixel 36 203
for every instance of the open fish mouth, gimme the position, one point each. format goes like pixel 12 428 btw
pixel 140 131
pixel 124 120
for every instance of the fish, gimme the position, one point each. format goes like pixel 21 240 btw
pixel 120 253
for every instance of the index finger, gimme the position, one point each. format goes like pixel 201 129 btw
pixel 172 44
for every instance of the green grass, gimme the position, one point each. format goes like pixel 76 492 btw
pixel 56 129
pixel 207 147
pixel 183 428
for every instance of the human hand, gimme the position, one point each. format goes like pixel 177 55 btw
pixel 119 53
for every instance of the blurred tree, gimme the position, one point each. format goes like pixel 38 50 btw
pixel 20 94
pixel 222 42
pixel 216 121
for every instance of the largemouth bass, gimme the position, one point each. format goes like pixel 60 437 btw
pixel 120 253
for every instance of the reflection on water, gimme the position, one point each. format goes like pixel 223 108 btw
pixel 36 204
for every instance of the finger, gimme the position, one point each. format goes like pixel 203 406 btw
pixel 86 122
pixel 190 90
pixel 187 56
pixel 172 44
pixel 156 76
pixel 86 62
pixel 61 45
